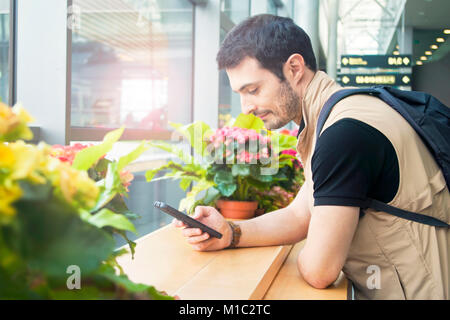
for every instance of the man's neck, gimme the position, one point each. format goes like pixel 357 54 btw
pixel 301 89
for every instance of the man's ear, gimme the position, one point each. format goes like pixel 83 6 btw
pixel 295 68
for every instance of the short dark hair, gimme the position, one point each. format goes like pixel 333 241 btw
pixel 269 39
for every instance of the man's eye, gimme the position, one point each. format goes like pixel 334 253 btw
pixel 253 91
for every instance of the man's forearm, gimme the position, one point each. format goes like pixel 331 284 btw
pixel 275 228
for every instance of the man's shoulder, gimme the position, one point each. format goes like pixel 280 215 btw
pixel 350 134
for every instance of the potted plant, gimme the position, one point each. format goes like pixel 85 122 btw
pixel 282 193
pixel 56 219
pixel 236 164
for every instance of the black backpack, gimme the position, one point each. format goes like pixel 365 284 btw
pixel 430 119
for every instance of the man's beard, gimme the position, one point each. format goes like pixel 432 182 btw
pixel 288 106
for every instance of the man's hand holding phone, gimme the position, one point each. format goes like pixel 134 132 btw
pixel 202 241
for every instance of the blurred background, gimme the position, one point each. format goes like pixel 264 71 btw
pixel 83 67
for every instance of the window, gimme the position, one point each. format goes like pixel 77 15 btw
pixel 232 13
pixel 131 65
pixel 4 51
pixel 236 11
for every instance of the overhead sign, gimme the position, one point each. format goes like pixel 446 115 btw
pixel 376 61
pixel 389 79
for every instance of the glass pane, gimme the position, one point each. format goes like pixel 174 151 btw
pixel 271 8
pixel 131 63
pixel 366 27
pixel 4 50
pixel 229 101
pixel 236 10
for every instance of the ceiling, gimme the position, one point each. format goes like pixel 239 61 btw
pixel 428 18
pixel 427 14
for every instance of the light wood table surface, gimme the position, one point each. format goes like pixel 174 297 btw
pixel 165 260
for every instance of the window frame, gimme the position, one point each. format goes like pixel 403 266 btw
pixel 12 52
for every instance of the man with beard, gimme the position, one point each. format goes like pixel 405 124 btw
pixel 361 152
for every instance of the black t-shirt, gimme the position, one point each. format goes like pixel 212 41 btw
pixel 353 161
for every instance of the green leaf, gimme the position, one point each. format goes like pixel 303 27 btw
pixel 51 236
pixel 131 244
pixel 173 149
pixel 88 156
pixel 35 192
pixel 223 176
pixel 262 186
pixel 239 169
pixel 227 189
pixel 280 142
pixel 107 218
pixel 122 280
pixel 188 202
pixel 249 121
pixel 212 194
pixel 185 183
pixel 109 186
pixel 286 160
pixel 117 205
pixel 133 155
pixel 98 171
pixel 196 133
pixel 255 172
pixel 150 174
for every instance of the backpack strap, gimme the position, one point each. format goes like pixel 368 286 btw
pixel 408 215
pixel 335 98
pixel 372 203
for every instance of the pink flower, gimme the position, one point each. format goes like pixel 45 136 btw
pixel 125 178
pixel 67 153
pixel 291 152
pixel 287 132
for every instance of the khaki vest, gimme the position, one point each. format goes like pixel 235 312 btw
pixel 411 259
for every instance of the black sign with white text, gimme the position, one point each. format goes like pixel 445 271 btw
pixel 364 80
pixel 376 61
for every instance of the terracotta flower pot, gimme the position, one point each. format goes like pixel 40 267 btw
pixel 237 209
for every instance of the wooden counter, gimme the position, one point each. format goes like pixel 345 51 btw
pixel 165 260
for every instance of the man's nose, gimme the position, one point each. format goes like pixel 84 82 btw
pixel 248 109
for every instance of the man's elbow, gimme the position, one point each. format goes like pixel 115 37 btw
pixel 317 277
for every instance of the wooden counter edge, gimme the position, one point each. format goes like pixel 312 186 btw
pixel 289 285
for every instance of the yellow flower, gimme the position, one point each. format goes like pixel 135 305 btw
pixel 27 160
pixel 7 196
pixel 6 117
pixel 6 156
pixel 75 186
pixel 13 123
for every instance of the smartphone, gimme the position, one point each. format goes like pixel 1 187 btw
pixel 186 219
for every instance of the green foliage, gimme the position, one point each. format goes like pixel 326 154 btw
pixel 281 142
pixel 47 230
pixel 107 218
pixel 89 156
pixel 196 133
pixel 249 121
pixel 223 171
pixel 50 236
pixel 133 155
